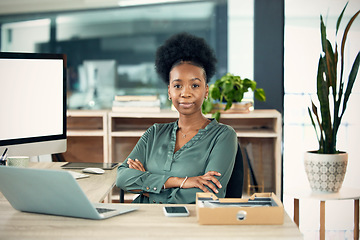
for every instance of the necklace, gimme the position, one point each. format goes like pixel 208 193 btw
pixel 184 134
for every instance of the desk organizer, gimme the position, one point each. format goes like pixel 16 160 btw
pixel 259 209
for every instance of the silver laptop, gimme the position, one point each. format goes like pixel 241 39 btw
pixel 52 192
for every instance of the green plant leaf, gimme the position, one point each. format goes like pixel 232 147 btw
pixel 228 105
pixel 217 83
pixel 343 41
pixel 323 34
pixel 321 140
pixel 230 96
pixel 331 59
pixel 313 124
pixel 351 81
pixel 238 96
pixel 214 93
pixel 315 111
pixel 260 94
pixel 323 96
pixel 247 83
pixel 207 106
pixel 236 79
pixel 227 86
pixel 330 67
pixel 216 115
pixel 340 17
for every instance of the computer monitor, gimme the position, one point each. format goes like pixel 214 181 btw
pixel 32 103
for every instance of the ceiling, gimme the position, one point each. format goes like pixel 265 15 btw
pixel 8 7
pixel 198 10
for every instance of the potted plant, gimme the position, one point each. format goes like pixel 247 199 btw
pixel 326 167
pixel 226 91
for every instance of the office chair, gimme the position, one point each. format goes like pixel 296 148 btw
pixel 122 195
pixel 235 185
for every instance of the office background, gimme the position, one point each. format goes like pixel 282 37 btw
pixel 274 42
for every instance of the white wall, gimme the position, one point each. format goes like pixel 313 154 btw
pixel 241 38
pixel 28 6
pixel 24 34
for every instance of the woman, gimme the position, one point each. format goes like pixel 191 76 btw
pixel 173 161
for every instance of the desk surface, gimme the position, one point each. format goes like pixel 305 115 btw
pixel 96 187
pixel 148 222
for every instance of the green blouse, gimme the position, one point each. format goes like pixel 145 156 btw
pixel 211 149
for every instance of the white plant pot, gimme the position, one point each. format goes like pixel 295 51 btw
pixel 325 172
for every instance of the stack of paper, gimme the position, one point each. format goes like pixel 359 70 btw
pixel 136 103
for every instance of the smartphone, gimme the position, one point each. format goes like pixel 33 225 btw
pixel 179 211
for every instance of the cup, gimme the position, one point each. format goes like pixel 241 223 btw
pixel 18 161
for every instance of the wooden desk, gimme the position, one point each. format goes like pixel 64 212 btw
pixel 148 222
pixel 343 194
pixel 96 187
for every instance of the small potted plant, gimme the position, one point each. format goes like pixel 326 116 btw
pixel 326 167
pixel 229 90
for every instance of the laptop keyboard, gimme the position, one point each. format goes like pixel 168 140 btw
pixel 104 210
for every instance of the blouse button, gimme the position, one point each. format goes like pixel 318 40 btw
pixel 160 202
pixel 147 188
pixel 154 188
pixel 154 201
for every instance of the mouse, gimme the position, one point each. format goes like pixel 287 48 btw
pixel 93 170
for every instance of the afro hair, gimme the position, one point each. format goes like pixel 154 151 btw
pixel 185 47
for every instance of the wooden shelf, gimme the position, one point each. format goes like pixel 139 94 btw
pixel 134 133
pixel 162 114
pixel 257 133
pixel 86 133
pixel 262 128
pixel 87 136
pixel 86 113
pixel 110 137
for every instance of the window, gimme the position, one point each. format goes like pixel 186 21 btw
pixel 112 51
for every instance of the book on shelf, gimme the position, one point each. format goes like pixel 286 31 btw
pixel 136 103
pixel 136 98
pixel 135 109
pixel 155 103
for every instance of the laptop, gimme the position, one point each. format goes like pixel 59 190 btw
pixel 52 192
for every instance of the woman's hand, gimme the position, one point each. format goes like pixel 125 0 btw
pixel 135 164
pixel 208 179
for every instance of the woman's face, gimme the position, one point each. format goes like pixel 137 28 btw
pixel 187 88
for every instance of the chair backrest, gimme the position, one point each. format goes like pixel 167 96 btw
pixel 235 186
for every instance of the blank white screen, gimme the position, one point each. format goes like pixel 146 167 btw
pixel 31 98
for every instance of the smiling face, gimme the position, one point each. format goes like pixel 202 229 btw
pixel 187 88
